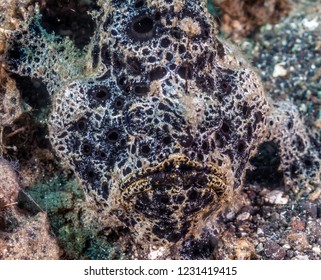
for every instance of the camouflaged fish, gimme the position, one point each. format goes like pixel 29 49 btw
pixel 161 127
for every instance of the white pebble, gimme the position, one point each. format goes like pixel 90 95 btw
pixel 311 24
pixel 243 216
pixel 316 250
pixel 279 71
pixel 276 197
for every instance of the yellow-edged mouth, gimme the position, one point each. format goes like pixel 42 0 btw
pixel 175 170
pixel 168 199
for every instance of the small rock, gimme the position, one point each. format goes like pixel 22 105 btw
pixel 311 209
pixel 290 254
pixel 311 24
pixel 279 71
pixel 243 216
pixel 274 251
pixel 315 195
pixel 297 224
pixel 275 217
pixel 244 249
pixel 316 250
pixel 298 241
pixel 259 231
pixel 286 246
pixel 276 197
pixel 259 248
pixel 230 215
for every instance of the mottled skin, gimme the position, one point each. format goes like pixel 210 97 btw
pixel 161 131
pixel 165 133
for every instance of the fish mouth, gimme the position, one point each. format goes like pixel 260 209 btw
pixel 169 198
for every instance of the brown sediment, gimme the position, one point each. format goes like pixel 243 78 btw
pixel 241 17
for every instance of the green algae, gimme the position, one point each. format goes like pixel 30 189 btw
pixel 58 197
pixel 215 11
pixel 54 196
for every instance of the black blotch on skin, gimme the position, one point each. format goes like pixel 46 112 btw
pixel 16 55
pixel 105 55
pixel 225 129
pixel 119 103
pixel 258 119
pixel 205 83
pixel 113 135
pixel 122 81
pixel 139 4
pixel 142 28
pixel 167 140
pixel 141 89
pixel 134 65
pixel 307 161
pixel 169 56
pixel 300 144
pixel 176 33
pixel 118 62
pixel 95 55
pixel 107 23
pixel 86 148
pixel 157 73
pixel 185 71
pixel 165 42
pixel 99 94
pixel 127 171
pixel 124 84
pixel 186 141
pixel 241 147
pixel 205 30
pixel 152 59
pixel 90 174
pixel 102 155
pixel 105 190
pixel 225 86
pixel 220 49
pixel 145 149
pixel 81 125
pixel 205 60
pixel 181 49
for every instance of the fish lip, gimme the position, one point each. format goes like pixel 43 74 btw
pixel 178 165
pixel 172 200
